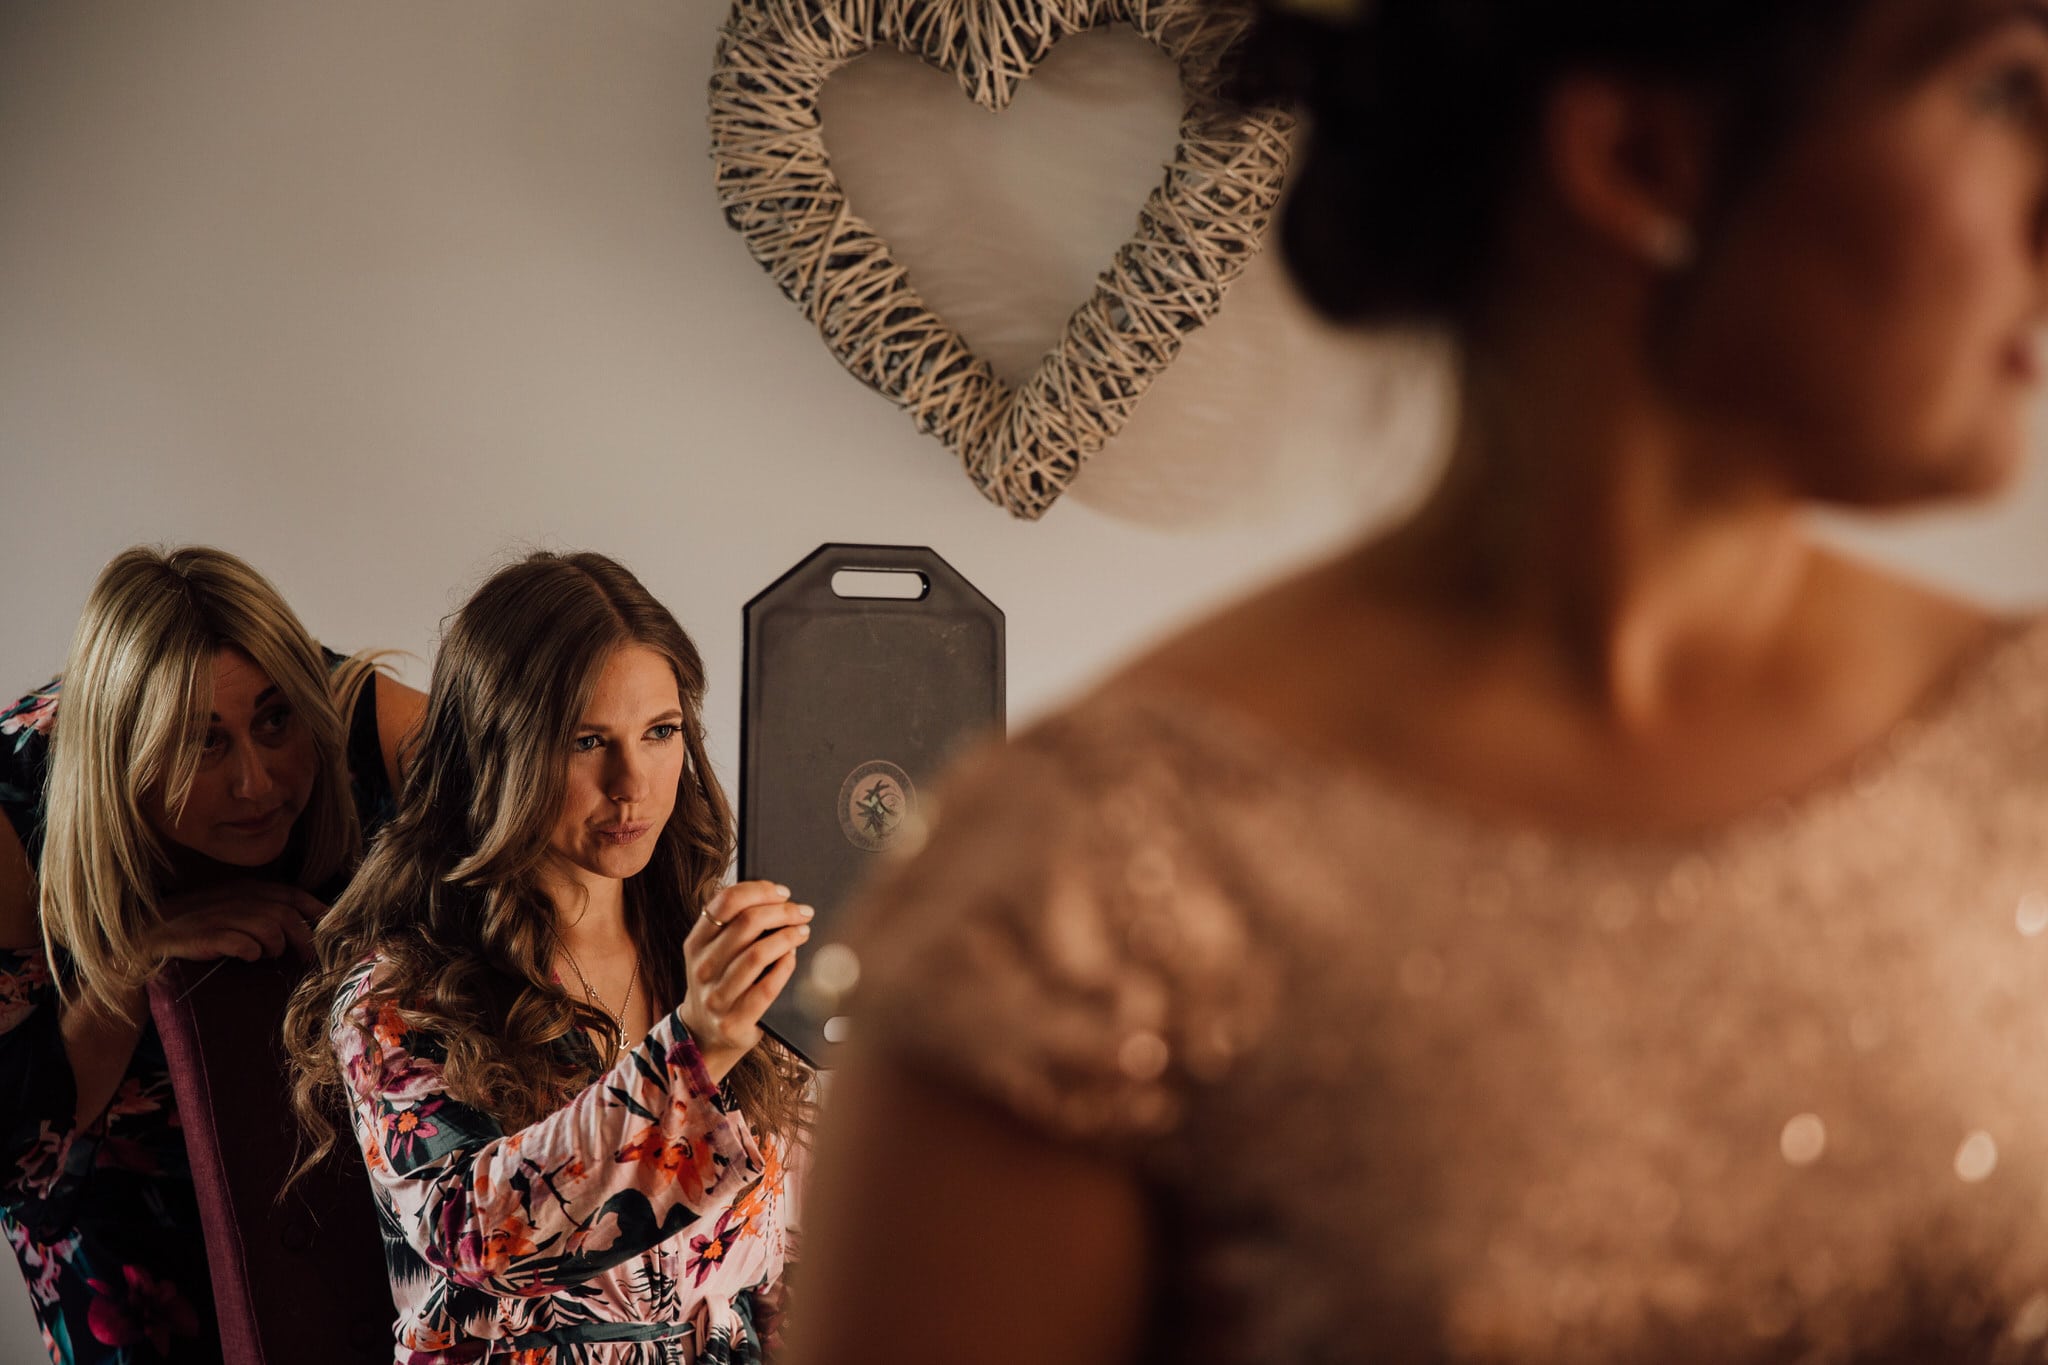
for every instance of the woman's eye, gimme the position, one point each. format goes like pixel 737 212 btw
pixel 274 721
pixel 663 733
pixel 585 744
pixel 2016 91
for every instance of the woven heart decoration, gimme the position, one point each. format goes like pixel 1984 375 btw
pixel 1021 446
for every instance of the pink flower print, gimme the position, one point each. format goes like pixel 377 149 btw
pixel 21 991
pixel 44 1164
pixel 405 1127
pixel 142 1308
pixel 401 1077
pixel 41 1262
pixel 133 1098
pixel 34 714
pixel 55 1257
pixel 708 1253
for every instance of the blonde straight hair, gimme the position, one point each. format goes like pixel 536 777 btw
pixel 136 702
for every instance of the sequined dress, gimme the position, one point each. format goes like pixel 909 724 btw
pixel 1405 1084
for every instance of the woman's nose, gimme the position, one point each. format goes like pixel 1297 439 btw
pixel 252 777
pixel 628 778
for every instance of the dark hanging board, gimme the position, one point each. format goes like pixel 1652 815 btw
pixel 852 706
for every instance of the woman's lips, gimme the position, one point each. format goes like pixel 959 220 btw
pixel 624 833
pixel 261 825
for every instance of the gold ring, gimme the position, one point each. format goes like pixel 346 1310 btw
pixel 706 913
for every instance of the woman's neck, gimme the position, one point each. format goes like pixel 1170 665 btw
pixel 590 911
pixel 1642 557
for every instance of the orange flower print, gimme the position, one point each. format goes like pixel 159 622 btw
pixel 405 1129
pixel 764 1191
pixel 508 1242
pixel 709 1252
pixel 424 1338
pixel 35 714
pixel 671 1158
pixel 388 1029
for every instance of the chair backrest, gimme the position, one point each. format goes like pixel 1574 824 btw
pixel 297 1280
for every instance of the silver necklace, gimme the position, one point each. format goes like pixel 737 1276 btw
pixel 618 1019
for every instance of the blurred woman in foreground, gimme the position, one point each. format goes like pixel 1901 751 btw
pixel 1598 921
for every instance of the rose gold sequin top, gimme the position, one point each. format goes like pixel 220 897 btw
pixel 1407 1085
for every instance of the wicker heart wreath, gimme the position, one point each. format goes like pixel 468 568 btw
pixel 1023 446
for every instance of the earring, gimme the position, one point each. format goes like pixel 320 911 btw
pixel 1669 244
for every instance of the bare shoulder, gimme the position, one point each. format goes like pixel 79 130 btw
pixel 1921 633
pixel 1286 652
pixel 399 709
pixel 1215 653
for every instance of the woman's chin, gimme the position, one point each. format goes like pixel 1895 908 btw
pixel 251 854
pixel 619 863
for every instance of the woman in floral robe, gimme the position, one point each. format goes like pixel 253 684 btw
pixel 541 1009
pixel 96 1194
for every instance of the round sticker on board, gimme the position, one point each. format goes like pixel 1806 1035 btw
pixel 874 802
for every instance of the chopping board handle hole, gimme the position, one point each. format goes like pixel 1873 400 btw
pixel 894 584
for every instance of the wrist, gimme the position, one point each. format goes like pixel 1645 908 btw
pixel 719 1061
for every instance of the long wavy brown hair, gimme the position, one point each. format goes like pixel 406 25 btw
pixel 450 895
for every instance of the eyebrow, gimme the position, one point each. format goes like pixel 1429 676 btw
pixel 268 694
pixel 671 716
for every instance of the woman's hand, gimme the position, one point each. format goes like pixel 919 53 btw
pixel 739 955
pixel 244 919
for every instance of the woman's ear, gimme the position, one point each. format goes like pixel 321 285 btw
pixel 1630 164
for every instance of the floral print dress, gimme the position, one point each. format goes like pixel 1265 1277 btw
pixel 641 1222
pixel 102 1217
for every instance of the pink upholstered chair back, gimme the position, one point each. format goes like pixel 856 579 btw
pixel 297 1282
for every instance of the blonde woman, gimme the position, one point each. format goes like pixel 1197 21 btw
pixel 189 790
pixel 542 1011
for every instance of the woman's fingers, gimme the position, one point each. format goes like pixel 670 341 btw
pixel 302 903
pixel 247 931
pixel 299 901
pixel 749 965
pixel 755 1001
pixel 207 944
pixel 264 924
pixel 728 906
pixel 715 960
pixel 308 906
pixel 298 930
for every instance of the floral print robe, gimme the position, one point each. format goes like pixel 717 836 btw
pixel 641 1222
pixel 102 1217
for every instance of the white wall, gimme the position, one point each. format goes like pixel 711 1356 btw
pixel 377 294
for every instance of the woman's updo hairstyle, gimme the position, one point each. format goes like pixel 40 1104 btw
pixel 1422 115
